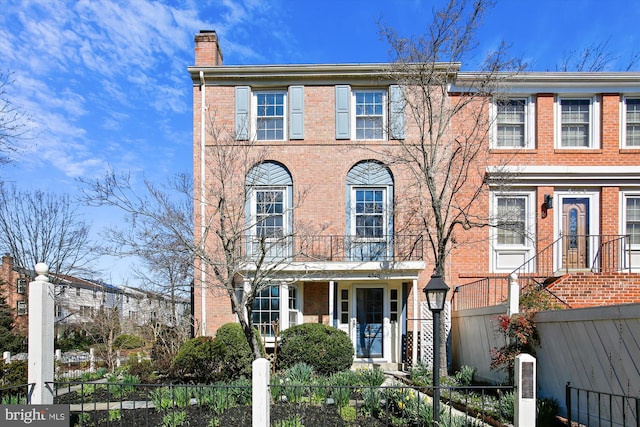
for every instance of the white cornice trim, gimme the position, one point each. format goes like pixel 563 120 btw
pixel 566 175
pixel 372 71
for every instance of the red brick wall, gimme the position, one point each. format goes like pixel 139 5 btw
pixel 9 290
pixel 590 290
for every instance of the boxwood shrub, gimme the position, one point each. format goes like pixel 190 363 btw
pixel 232 352
pixel 196 360
pixel 326 348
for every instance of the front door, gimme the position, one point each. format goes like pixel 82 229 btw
pixel 369 321
pixel 575 232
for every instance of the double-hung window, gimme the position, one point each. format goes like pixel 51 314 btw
pixel 631 228
pixel 633 220
pixel 513 126
pixel 514 224
pixel 370 212
pixel 577 126
pixel 370 114
pixel 270 115
pixel 631 128
pixel 512 219
pixel 270 212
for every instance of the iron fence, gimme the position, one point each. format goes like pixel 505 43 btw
pixel 596 408
pixel 320 404
pixel 16 394
pixel 339 248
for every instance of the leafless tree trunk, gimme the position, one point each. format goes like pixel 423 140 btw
pixel 446 145
pixel 223 260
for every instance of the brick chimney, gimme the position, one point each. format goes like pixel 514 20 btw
pixel 208 53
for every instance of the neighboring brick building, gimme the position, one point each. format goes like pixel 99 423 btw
pixel 573 141
pixel 15 287
pixel 569 141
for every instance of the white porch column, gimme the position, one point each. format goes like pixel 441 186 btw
pixel 416 313
pixel 332 285
pixel 41 316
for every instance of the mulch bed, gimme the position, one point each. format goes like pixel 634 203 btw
pixel 308 415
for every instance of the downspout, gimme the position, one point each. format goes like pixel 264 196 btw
pixel 203 273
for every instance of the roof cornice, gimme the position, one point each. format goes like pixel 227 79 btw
pixel 558 82
pixel 310 72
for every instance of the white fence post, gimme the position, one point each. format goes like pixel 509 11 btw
pixel 260 392
pixel 525 394
pixel 514 295
pixel 6 356
pixel 40 367
pixel 92 360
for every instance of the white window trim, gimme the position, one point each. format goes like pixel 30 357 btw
pixel 529 123
pixel 594 121
pixel 385 113
pixel 254 114
pixel 385 210
pixel 285 210
pixel 624 195
pixel 594 215
pixel 623 121
pixel 527 249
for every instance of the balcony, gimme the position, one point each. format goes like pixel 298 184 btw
pixel 337 248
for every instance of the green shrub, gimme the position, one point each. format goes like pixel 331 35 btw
pixel 14 373
pixel 196 360
pixel 327 349
pixel 143 369
pixel 547 411
pixel 128 342
pixel 232 352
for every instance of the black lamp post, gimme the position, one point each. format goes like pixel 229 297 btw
pixel 436 292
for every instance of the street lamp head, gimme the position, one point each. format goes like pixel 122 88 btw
pixel 436 292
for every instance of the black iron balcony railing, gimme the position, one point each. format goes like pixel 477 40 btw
pixel 337 248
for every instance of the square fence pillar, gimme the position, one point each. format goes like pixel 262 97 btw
pixel 41 352
pixel 525 398
pixel 261 405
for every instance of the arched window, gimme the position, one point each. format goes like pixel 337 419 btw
pixel 269 190
pixel 370 211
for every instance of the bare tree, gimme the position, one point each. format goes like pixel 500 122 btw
pixel 14 123
pixel 446 147
pixel 595 57
pixel 233 253
pixel 166 264
pixel 44 227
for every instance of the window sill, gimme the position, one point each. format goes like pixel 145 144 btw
pixel 577 150
pixel 633 150
pixel 515 150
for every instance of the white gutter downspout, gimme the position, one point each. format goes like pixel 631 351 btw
pixel 203 273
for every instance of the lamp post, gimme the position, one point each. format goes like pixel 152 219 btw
pixel 436 292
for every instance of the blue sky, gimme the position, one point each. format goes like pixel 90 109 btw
pixel 105 82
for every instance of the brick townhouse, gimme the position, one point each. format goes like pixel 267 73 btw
pixel 569 142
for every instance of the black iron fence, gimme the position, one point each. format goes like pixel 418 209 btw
pixel 16 394
pixel 321 404
pixel 596 408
